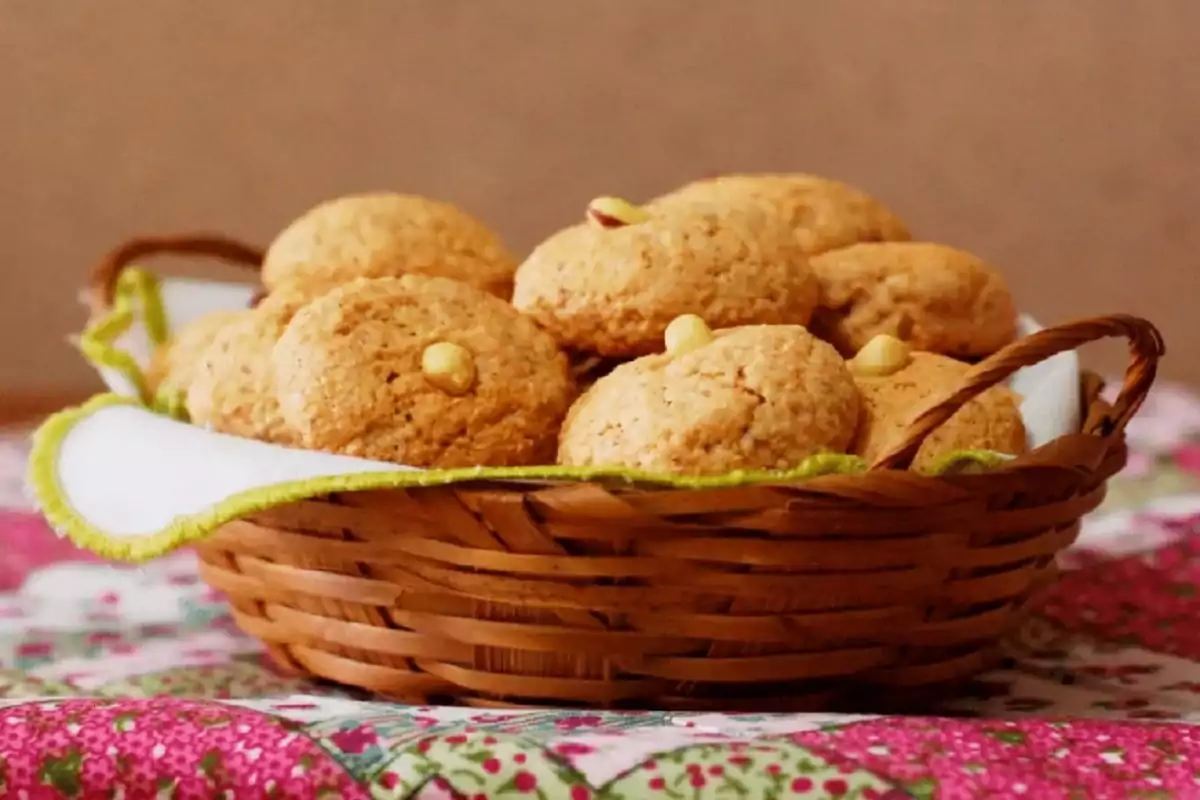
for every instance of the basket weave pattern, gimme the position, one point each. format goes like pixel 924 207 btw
pixel 771 596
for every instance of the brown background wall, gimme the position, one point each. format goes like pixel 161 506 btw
pixel 1058 139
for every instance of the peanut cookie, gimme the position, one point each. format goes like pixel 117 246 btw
pixel 753 397
pixel 234 389
pixel 897 384
pixel 824 214
pixel 611 285
pixel 422 371
pixel 387 235
pixel 934 297
pixel 175 362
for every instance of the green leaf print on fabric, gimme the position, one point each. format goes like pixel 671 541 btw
pixel 1008 736
pixel 15 685
pixel 739 770
pixel 923 789
pixel 62 773
pixel 124 723
pixel 97 637
pixel 479 764
pixel 216 773
pixel 483 765
pixel 87 747
pixel 234 680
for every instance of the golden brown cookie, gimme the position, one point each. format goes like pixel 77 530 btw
pixel 611 285
pixel 387 235
pixel 897 384
pixel 422 371
pixel 234 389
pixel 824 214
pixel 175 361
pixel 934 297
pixel 754 397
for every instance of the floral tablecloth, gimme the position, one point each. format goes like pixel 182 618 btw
pixel 132 683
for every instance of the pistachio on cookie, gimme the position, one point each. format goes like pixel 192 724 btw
pixel 423 371
pixel 615 212
pixel 610 285
pixel 934 297
pixel 752 397
pixel 387 235
pixel 897 385
pixel 823 214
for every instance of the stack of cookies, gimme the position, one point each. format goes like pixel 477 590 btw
pixel 741 322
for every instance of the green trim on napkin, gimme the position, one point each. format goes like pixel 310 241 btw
pixel 135 290
pixel 185 529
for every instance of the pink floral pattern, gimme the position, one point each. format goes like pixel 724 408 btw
pixel 171 748
pixel 134 683
pixel 1038 759
pixel 1159 601
pixel 29 543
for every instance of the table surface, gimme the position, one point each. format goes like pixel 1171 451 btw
pixel 133 682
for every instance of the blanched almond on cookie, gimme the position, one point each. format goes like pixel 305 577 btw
pixel 449 366
pixel 686 333
pixel 612 292
pixel 753 397
pixel 991 421
pixel 422 371
pixel 936 298
pixel 881 356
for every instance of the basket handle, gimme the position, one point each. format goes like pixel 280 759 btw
pixel 103 281
pixel 1145 349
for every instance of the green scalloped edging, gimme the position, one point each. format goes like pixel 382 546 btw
pixel 968 462
pixel 103 355
pixel 171 402
pixel 136 290
pixel 138 296
pixel 186 529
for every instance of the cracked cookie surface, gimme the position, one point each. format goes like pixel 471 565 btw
pixel 176 361
pixel 991 421
pixel 755 397
pixel 387 235
pixel 823 214
pixel 234 388
pixel 613 291
pixel 375 369
pixel 934 297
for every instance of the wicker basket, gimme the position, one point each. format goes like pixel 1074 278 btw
pixel 875 589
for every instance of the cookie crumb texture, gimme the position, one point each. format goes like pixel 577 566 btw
pixel 934 297
pixel 388 235
pixel 175 362
pixel 991 421
pixel 349 377
pixel 756 397
pixel 613 291
pixel 823 214
pixel 234 388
